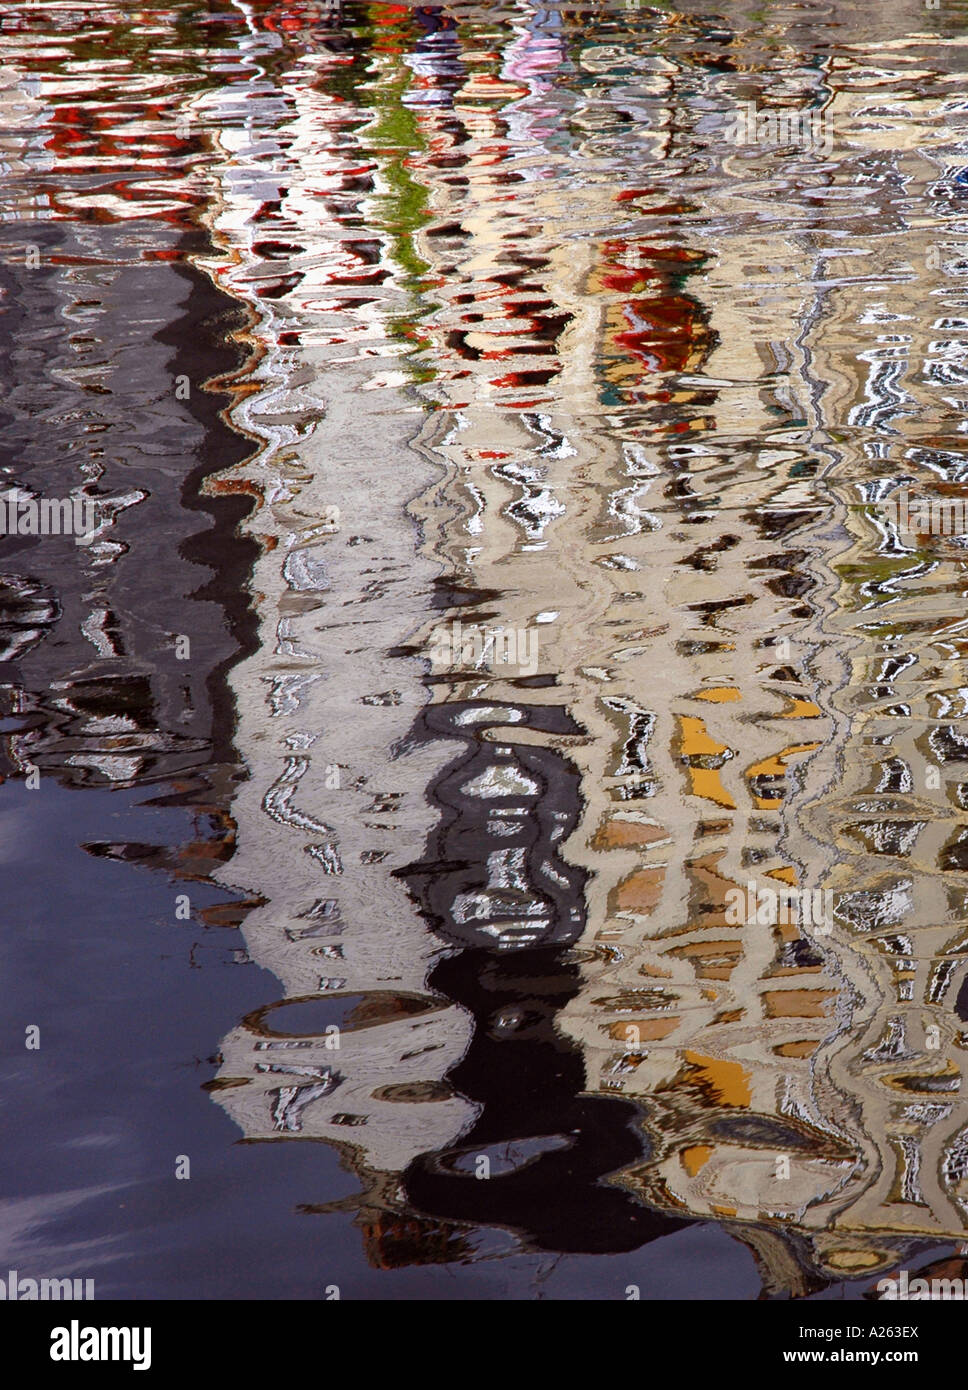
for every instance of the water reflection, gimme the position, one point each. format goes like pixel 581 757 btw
pixel 522 344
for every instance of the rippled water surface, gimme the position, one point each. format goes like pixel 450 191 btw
pixel 491 579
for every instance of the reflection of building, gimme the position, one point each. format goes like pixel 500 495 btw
pixel 637 476
pixel 89 665
pixel 332 804
pixel 579 442
pixel 329 853
pixel 896 816
pixel 645 411
pixel 791 1079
